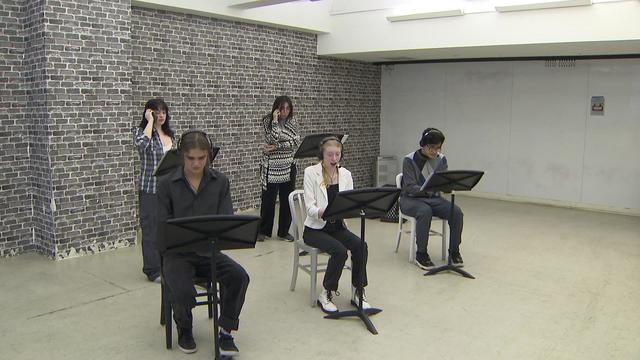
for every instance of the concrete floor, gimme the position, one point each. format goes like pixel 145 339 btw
pixel 551 283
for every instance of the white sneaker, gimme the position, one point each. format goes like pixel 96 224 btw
pixel 356 299
pixel 326 303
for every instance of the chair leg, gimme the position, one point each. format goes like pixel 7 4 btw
pixel 399 232
pixel 296 263
pixel 167 318
pixel 162 305
pixel 444 240
pixel 314 278
pixel 412 247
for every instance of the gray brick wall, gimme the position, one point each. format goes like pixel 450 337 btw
pixel 34 67
pixel 77 75
pixel 15 194
pixel 89 107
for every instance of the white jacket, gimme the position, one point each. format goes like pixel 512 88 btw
pixel 315 195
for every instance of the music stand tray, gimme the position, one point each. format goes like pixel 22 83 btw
pixel 172 158
pixel 169 160
pixel 310 144
pixel 213 232
pixel 361 203
pixel 452 181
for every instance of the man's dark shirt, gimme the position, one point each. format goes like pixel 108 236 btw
pixel 176 199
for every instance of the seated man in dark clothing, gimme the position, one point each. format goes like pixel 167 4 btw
pixel 423 205
pixel 191 190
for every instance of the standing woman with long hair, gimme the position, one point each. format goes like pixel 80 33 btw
pixel 153 138
pixel 278 171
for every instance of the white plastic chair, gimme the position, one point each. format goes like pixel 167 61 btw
pixel 298 216
pixel 412 225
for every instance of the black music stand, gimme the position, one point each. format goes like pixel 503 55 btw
pixel 353 204
pixel 169 160
pixel 208 233
pixel 172 158
pixel 310 144
pixel 450 181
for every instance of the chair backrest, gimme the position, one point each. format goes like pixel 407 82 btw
pixel 298 212
pixel 399 181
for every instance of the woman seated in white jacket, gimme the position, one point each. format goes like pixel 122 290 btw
pixel 321 184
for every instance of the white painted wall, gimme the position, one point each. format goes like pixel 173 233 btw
pixel 526 125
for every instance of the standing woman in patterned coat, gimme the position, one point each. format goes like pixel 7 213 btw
pixel 152 138
pixel 278 171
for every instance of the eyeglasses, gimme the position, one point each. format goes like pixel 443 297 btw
pixel 434 147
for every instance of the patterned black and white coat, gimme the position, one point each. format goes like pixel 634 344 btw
pixel 276 166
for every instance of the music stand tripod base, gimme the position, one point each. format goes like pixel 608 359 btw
pixel 450 268
pixel 361 313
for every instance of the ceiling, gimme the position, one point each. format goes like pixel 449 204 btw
pixel 362 30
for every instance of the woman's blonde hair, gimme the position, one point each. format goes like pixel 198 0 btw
pixel 326 142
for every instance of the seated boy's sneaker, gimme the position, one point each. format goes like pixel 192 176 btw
pixel 424 261
pixel 227 346
pixel 356 299
pixel 185 341
pixel 456 259
pixel 326 302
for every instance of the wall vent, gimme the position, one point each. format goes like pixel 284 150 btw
pixel 560 63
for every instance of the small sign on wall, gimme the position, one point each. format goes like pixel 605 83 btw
pixel 597 105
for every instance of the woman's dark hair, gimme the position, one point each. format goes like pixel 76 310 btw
pixel 157 105
pixel 281 100
pixel 431 136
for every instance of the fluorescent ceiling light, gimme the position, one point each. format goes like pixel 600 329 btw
pixel 248 4
pixel 425 15
pixel 542 5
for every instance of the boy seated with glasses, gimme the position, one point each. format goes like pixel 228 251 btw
pixel 423 205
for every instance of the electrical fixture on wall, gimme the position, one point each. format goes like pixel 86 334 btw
pixel 417 15
pixel 541 5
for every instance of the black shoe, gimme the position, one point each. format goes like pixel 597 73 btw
pixel 287 237
pixel 424 261
pixel 227 346
pixel 186 342
pixel 261 237
pixel 303 253
pixel 456 259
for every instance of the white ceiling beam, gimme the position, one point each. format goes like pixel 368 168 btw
pixel 542 5
pixel 306 16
